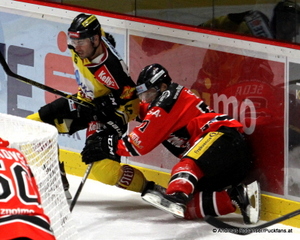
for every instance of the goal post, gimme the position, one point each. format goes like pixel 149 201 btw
pixel 38 142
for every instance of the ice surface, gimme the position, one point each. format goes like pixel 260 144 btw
pixel 107 213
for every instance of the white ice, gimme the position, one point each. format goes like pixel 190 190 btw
pixel 108 213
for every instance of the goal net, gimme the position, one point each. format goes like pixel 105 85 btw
pixel 38 142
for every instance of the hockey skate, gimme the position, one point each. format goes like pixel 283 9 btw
pixel 174 204
pixel 65 181
pixel 151 186
pixel 247 199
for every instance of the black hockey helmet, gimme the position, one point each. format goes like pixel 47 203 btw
pixel 151 77
pixel 84 26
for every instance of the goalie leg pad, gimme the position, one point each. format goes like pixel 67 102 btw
pixel 106 171
pixel 131 179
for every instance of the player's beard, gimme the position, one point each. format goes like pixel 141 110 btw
pixel 89 53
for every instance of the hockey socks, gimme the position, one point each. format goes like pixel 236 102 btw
pixel 209 203
pixel 185 175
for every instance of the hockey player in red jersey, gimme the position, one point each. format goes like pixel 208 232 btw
pixel 21 213
pixel 214 158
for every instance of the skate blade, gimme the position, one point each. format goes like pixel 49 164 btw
pixel 164 204
pixel 253 191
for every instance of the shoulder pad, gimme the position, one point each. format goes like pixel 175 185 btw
pixel 168 98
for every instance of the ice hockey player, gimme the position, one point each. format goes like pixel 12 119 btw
pixel 21 215
pixel 214 157
pixel 103 79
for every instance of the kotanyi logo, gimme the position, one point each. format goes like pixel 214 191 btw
pixel 104 76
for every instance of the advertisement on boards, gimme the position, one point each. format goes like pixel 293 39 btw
pixel 36 48
pixel 248 88
pixel 244 83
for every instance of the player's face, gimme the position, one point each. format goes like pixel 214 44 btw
pixel 148 96
pixel 83 47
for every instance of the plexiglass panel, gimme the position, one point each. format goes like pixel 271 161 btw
pixel 261 18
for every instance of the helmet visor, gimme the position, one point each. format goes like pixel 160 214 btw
pixel 148 96
pixel 141 88
pixel 78 42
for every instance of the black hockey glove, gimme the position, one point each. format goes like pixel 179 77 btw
pixel 105 107
pixel 86 113
pixel 107 114
pixel 100 146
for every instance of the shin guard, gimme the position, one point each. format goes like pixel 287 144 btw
pixel 106 171
pixel 131 179
pixel 185 175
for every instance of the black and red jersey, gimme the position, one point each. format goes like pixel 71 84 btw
pixel 21 213
pixel 177 119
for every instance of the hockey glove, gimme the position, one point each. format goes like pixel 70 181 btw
pixel 100 146
pixel 105 107
pixel 107 114
pixel 86 113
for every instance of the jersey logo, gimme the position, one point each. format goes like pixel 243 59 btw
pixel 103 75
pixel 127 92
pixel 135 140
pixel 155 113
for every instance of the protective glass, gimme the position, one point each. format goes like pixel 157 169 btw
pixel 148 96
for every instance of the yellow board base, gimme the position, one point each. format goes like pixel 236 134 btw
pixel 272 207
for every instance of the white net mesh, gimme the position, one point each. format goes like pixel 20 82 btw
pixel 38 142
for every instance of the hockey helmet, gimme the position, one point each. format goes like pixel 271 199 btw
pixel 151 77
pixel 84 26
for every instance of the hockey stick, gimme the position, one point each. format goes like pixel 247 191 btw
pixel 83 180
pixel 41 86
pixel 57 92
pixel 247 230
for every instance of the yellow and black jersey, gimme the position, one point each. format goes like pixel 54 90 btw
pixel 109 75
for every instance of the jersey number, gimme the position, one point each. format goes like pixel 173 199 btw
pixel 144 125
pixel 22 182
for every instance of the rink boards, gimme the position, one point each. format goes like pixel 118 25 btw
pixel 253 80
